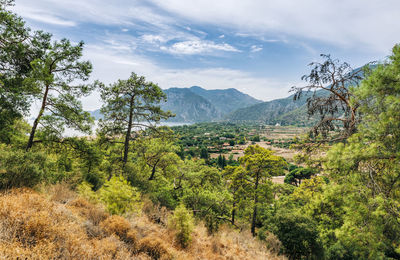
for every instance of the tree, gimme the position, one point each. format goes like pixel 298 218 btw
pixel 157 153
pixel 204 153
pixel 119 196
pixel 128 105
pixel 260 165
pixel 201 189
pixel 369 164
pixel 18 48
pixel 330 82
pixel 238 185
pixel 51 80
pixel 295 176
pixel 298 234
pixel 182 222
pixel 221 161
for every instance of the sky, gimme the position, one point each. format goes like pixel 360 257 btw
pixel 260 47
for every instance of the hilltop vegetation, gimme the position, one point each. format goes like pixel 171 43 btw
pixel 135 190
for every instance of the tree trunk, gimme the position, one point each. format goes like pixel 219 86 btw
pixel 36 122
pixel 253 221
pixel 153 171
pixel 128 132
pixel 233 213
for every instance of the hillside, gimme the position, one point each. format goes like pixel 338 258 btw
pixel 189 107
pixel 225 100
pixel 284 111
pixel 61 225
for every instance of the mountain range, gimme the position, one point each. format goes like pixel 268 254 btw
pixel 284 111
pixel 196 104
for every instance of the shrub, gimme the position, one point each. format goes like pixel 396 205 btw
pixel 272 241
pixel 116 225
pixel 119 197
pixel 298 234
pixel 21 169
pixel 91 212
pixel 182 222
pixel 122 228
pixel 86 191
pixel 155 248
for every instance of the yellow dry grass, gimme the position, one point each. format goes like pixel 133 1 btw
pixel 51 226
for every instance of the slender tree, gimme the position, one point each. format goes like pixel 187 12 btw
pixel 18 48
pixel 51 80
pixel 260 165
pixel 238 185
pixel 129 105
pixel 331 85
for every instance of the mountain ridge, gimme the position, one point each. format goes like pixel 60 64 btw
pixel 196 104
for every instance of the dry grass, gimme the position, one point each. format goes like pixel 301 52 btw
pixel 32 227
pixel 36 226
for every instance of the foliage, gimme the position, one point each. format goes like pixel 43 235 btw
pixel 119 197
pixel 129 104
pixel 19 46
pixel 260 165
pixel 51 81
pixel 333 103
pixel 157 154
pixel 298 235
pixel 20 169
pixel 181 221
pixel 295 176
pixel 368 163
pixel 201 189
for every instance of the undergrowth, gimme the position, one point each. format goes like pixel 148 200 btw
pixel 58 224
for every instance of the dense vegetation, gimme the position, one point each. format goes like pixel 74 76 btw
pixel 342 203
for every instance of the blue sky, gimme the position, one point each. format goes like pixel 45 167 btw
pixel 260 47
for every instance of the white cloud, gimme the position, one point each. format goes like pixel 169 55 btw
pixel 118 12
pixel 154 39
pixel 198 47
pixel 46 18
pixel 371 25
pixel 111 65
pixel 255 48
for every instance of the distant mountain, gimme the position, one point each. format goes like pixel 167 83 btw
pixel 189 107
pixel 283 111
pixel 196 104
pixel 225 100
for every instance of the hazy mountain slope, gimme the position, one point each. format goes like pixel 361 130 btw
pixel 189 107
pixel 284 111
pixel 226 100
pixel 196 104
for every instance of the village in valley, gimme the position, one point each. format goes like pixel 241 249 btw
pixel 213 140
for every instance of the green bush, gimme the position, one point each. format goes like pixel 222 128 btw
pixel 119 197
pixel 182 222
pixel 298 234
pixel 21 169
